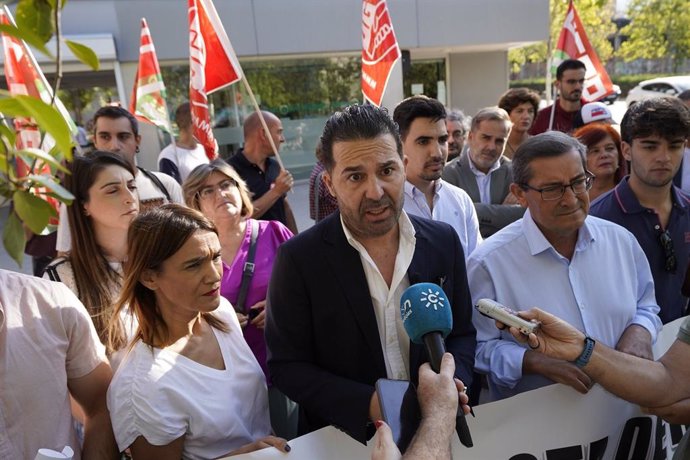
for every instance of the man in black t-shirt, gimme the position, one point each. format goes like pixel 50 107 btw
pixel 263 175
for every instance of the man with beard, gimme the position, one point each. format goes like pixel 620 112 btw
pixel 333 325
pixel 654 133
pixel 586 270
pixel 421 121
pixel 458 125
pixel 484 173
pixel 561 115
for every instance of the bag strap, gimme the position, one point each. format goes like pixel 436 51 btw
pixel 157 182
pixel 51 270
pixel 248 270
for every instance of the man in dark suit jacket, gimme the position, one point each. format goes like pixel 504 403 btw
pixel 333 322
pixel 483 166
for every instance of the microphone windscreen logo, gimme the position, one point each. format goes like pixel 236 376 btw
pixel 424 308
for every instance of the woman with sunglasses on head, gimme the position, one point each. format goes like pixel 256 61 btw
pixel 189 387
pixel 106 201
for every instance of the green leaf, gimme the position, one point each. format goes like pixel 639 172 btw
pixel 62 193
pixel 46 116
pixel 84 54
pixel 31 154
pixel 37 16
pixel 13 238
pixel 28 36
pixel 32 210
pixel 7 133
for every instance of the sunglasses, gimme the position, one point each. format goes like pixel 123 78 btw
pixel 667 244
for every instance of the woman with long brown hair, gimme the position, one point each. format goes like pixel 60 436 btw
pixel 189 387
pixel 106 202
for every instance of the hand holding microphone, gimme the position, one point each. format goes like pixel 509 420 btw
pixel 428 319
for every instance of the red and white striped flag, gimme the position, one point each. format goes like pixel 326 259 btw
pixel 148 95
pixel 573 44
pixel 379 49
pixel 213 65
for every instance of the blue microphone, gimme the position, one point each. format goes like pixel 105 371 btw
pixel 428 319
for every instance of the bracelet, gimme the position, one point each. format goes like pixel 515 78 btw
pixel 583 359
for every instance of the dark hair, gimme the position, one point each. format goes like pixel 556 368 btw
pixel 183 115
pixel 357 122
pixel 114 112
pixel 666 117
pixel 569 64
pixel 593 133
pixel 154 237
pixel 548 144
pixel 517 96
pixel 417 107
pixel 93 275
pixel 685 95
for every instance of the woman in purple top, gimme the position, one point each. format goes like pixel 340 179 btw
pixel 222 196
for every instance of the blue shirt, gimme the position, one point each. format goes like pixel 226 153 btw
pixel 621 206
pixel 452 205
pixel 606 287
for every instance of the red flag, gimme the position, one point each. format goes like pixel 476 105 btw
pixel 379 49
pixel 212 66
pixel 148 95
pixel 24 77
pixel 573 44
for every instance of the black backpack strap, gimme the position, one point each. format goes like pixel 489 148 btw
pixel 248 270
pixel 51 270
pixel 157 182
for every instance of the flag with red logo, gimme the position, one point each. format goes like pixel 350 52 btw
pixel 24 77
pixel 213 65
pixel 573 44
pixel 379 49
pixel 148 95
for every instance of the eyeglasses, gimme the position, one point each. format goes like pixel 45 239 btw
pixel 667 244
pixel 556 192
pixel 209 192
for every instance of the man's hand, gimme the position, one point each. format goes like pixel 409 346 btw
pixel 438 394
pixel 677 413
pixel 557 370
pixel 636 341
pixel 283 182
pixel 554 338
pixel 260 320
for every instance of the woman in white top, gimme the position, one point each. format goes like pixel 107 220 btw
pixel 189 386
pixel 105 203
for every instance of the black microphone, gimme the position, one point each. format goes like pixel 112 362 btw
pixel 428 320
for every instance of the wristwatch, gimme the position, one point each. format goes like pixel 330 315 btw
pixel 586 354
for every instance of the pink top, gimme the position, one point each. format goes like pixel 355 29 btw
pixel 271 235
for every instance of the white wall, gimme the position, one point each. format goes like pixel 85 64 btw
pixel 477 80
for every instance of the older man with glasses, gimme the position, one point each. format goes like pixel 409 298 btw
pixel 581 268
pixel 654 134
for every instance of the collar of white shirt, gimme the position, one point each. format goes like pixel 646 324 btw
pixel 395 342
pixel 538 243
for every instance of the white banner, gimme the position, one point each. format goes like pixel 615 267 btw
pixel 550 423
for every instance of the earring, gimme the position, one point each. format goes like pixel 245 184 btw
pixel 137 149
